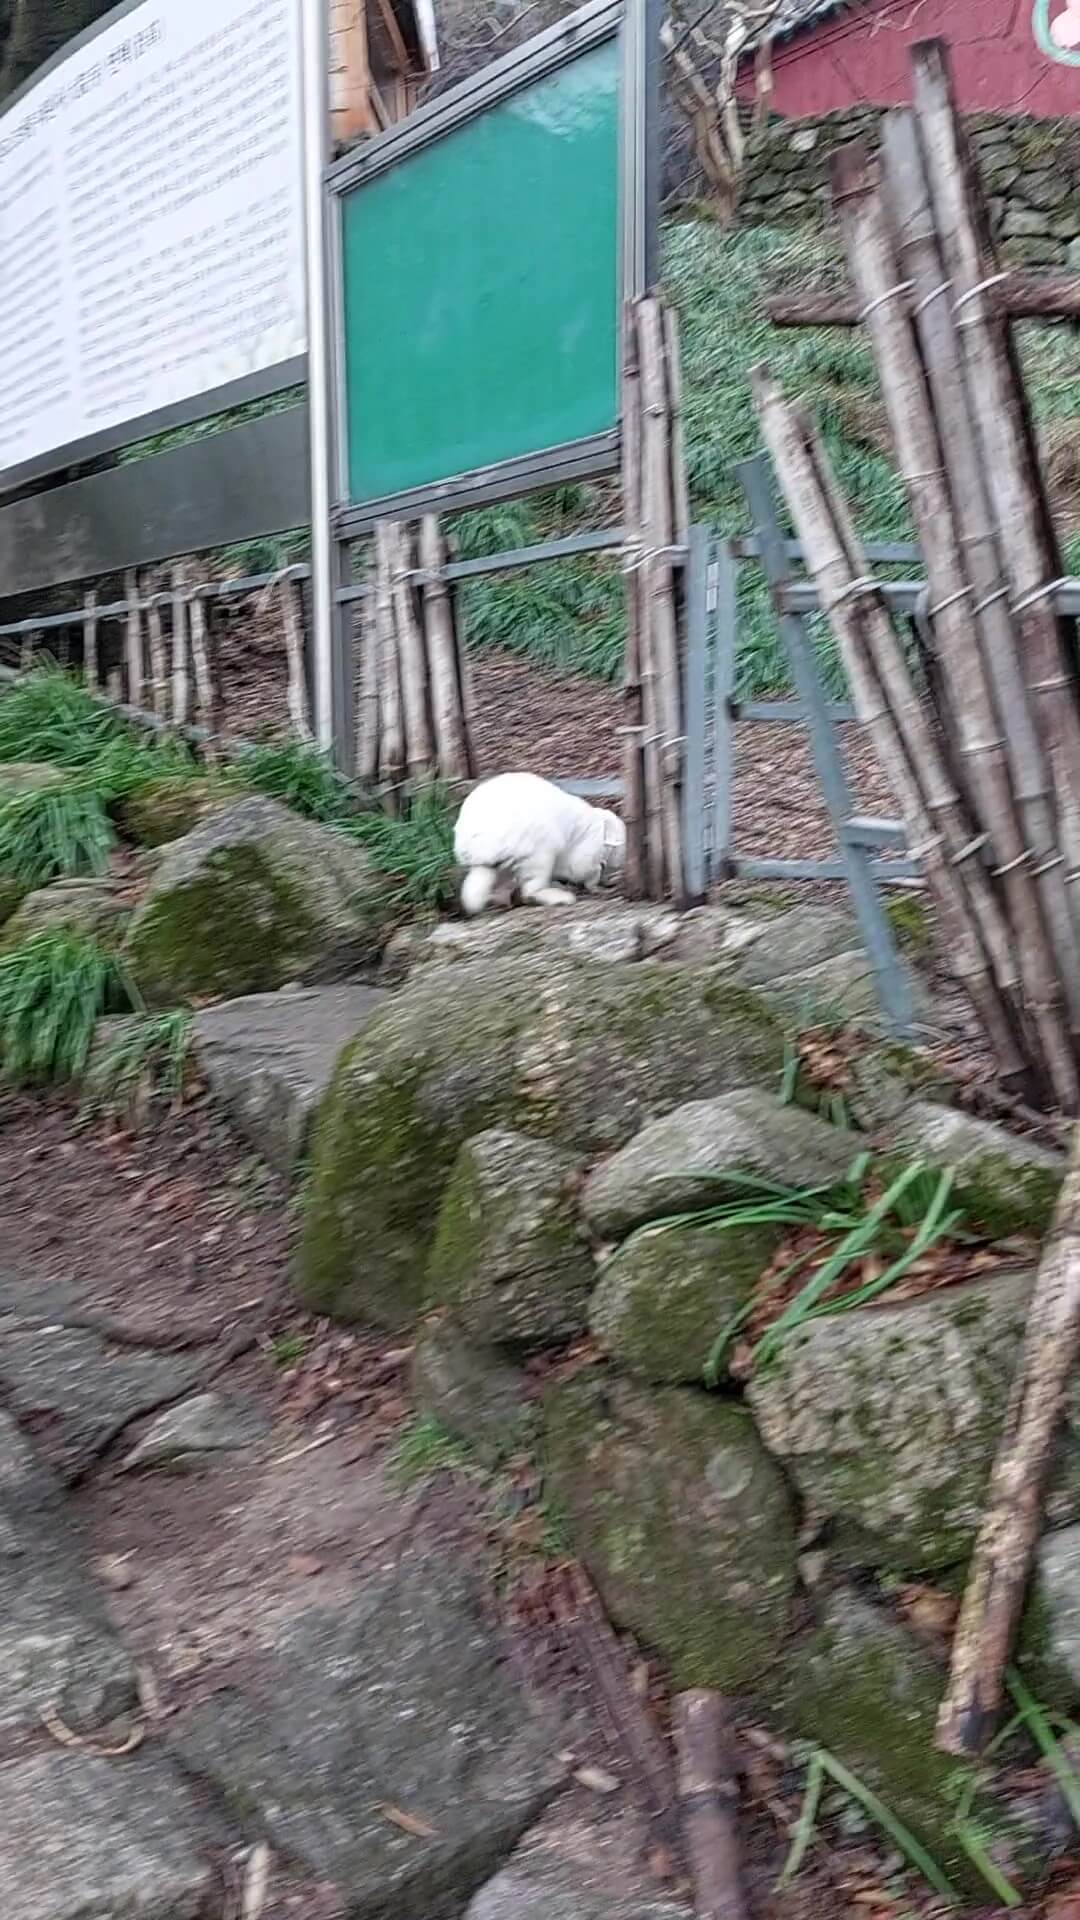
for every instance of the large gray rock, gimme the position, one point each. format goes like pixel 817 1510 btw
pixel 400 1702
pixel 580 1053
pixel 612 930
pixel 90 1839
pixel 63 1377
pixel 865 1690
pixel 253 898
pixel 509 1260
pixel 270 1057
pixel 1058 1603
pixel 56 1647
pixel 540 1885
pixel 794 941
pixel 469 1391
pixel 663 1299
pixel 672 1164
pixel 97 908
pixel 888 1418
pixel 1007 1184
pixel 682 1520
pixel 186 1436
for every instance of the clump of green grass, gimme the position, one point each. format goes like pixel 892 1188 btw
pixel 823 1766
pixel 48 716
pixel 144 1066
pixel 54 833
pixel 894 1227
pixel 423 1449
pixel 415 848
pixel 53 991
pixel 300 777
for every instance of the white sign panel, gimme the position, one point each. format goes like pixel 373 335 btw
pixel 151 220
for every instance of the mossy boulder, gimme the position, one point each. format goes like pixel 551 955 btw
pixel 1006 1184
pixel 509 1259
pixel 253 898
pixel 862 1688
pixel 472 1392
pixel 887 1418
pixel 681 1518
pixel 165 810
pixel 96 908
pixel 579 1052
pixel 663 1298
pixel 18 777
pixel 672 1165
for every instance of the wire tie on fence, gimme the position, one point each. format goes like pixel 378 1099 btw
pixel 981 286
pixel 629 729
pixel 973 846
pixel 983 746
pixel 1055 860
pixel 882 299
pixel 935 293
pixel 1053 685
pixel 864 584
pixel 1010 866
pixel 925 846
pixel 1040 593
pixel 635 555
pixel 950 600
pixel 999 593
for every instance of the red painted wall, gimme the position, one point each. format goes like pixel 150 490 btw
pixel 859 57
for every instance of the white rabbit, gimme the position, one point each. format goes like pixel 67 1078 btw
pixel 524 829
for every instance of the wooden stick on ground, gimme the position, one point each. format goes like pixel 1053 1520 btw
pixel 292 620
pixel 998 1577
pixel 391 742
pixel 412 656
pixel 660 616
pixel 708 1800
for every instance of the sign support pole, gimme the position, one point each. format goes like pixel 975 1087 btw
pixel 330 730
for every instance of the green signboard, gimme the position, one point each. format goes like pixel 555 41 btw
pixel 481 272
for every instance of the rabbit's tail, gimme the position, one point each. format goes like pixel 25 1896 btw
pixel 477 888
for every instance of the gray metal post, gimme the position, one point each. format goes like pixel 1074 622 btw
pixel 695 694
pixel 724 635
pixel 755 478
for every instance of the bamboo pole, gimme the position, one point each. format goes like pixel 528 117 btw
pixel 391 743
pixel 1001 1565
pixel 1020 295
pixel 90 642
pixel 636 878
pixel 661 620
pixel 876 275
pixel 1032 564
pixel 708 1802
pixel 200 662
pixel 367 719
pixel 292 621
pixel 180 683
pixel 447 701
pixel 159 672
pixel 921 261
pixel 887 705
pixel 419 751
pixel 134 646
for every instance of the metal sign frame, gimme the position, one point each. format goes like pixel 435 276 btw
pixel 179 413
pixel 335 520
pixel 546 53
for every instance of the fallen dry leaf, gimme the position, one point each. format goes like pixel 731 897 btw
pixel 306 1564
pixel 408 1822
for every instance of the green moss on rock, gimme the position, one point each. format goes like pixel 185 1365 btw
pixel 682 1520
pixel 664 1297
pixel 470 1391
pixel 1005 1184
pixel 252 899
pixel 577 1052
pixel 509 1259
pixel 165 810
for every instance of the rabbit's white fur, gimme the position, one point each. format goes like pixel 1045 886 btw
pixel 523 829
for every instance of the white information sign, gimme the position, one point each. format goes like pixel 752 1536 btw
pixel 151 220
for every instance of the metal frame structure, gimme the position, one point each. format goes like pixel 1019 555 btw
pixel 338 521
pixel 180 413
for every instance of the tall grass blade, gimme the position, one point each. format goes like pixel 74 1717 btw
pixel 808 1813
